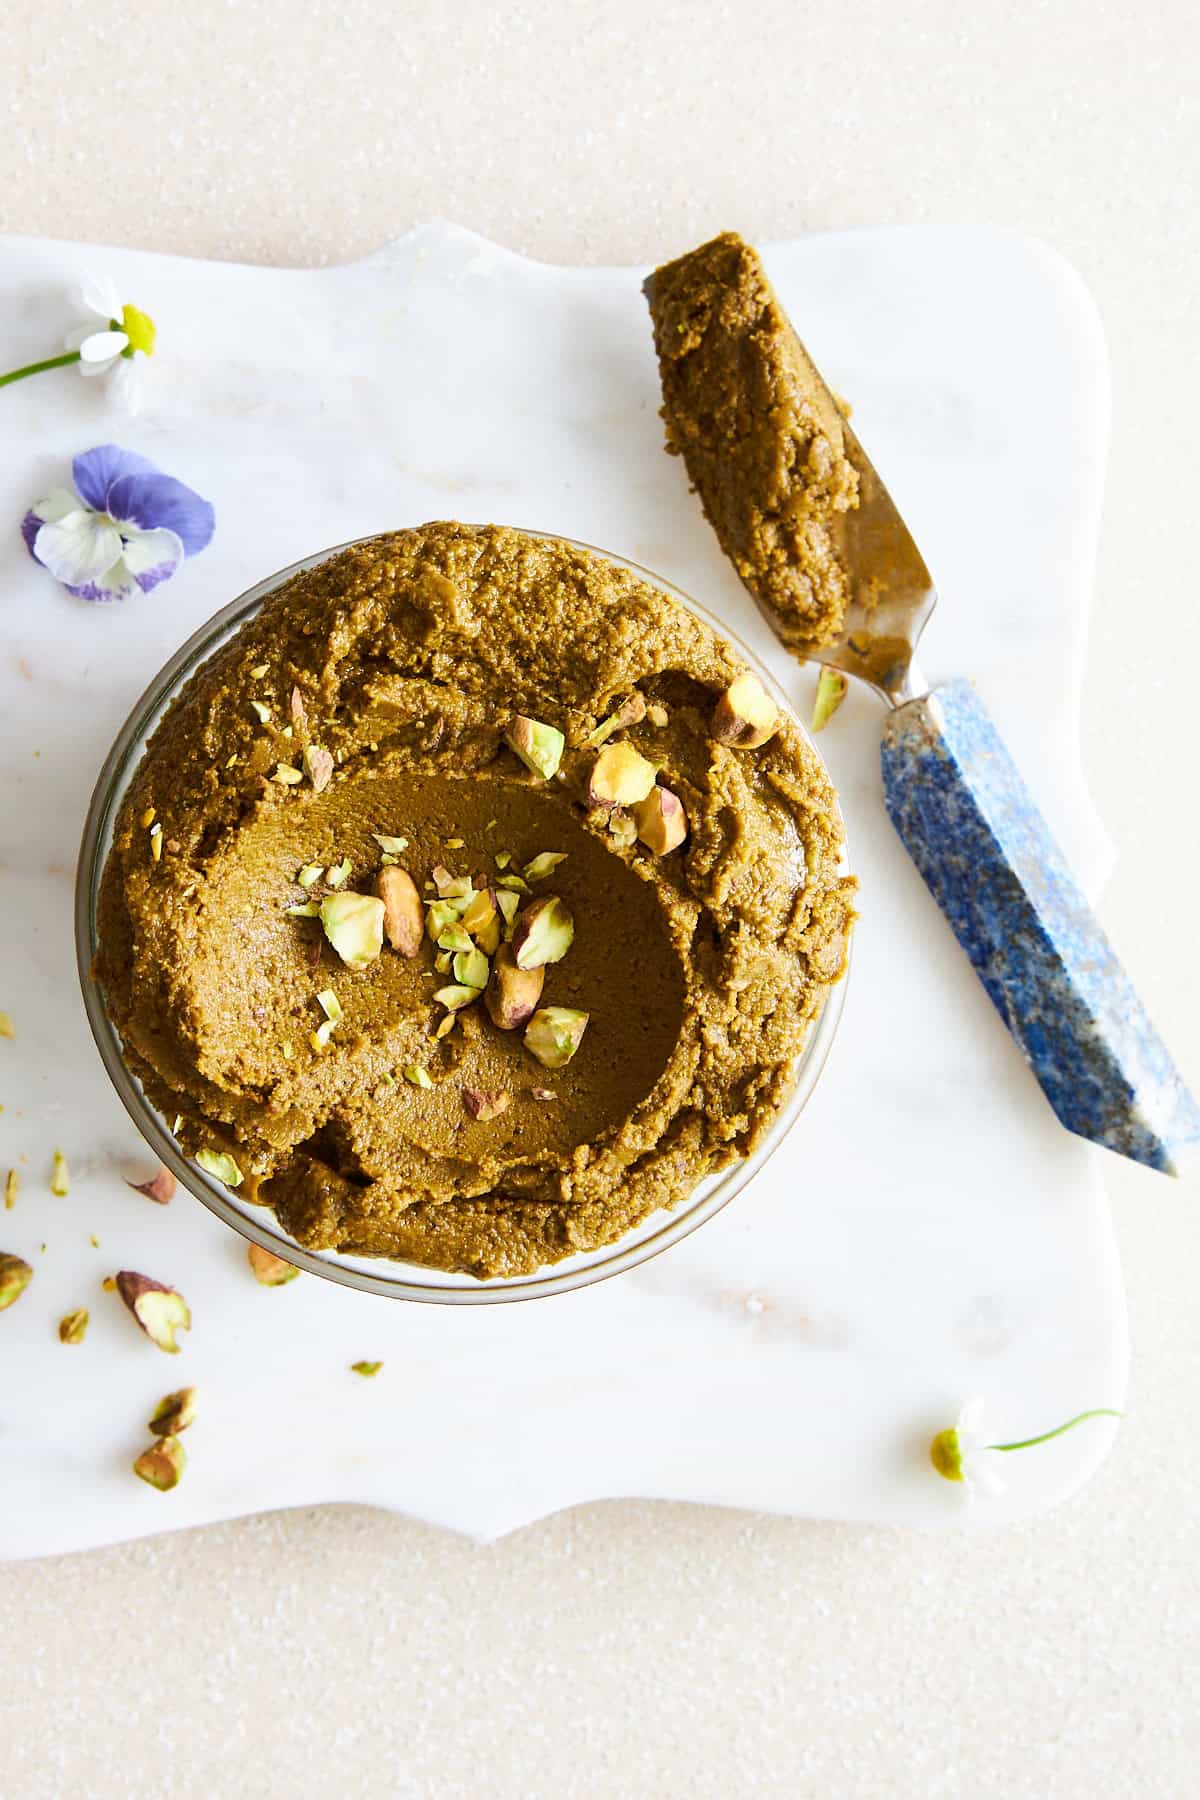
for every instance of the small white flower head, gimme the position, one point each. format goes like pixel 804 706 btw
pixel 118 345
pixel 963 1453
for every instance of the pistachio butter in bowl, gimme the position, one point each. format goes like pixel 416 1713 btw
pixel 461 914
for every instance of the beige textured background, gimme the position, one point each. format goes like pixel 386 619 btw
pixel 663 1650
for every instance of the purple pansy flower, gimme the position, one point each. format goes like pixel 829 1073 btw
pixel 127 527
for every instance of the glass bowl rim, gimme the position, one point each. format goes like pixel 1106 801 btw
pixel 609 1260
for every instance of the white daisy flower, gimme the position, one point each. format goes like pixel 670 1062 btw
pixel 117 345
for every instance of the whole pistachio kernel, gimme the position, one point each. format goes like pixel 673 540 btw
pixel 160 1310
pixel 554 1034
pixel 543 934
pixel 318 766
pixel 620 776
pixel 539 746
pixel 353 924
pixel 745 716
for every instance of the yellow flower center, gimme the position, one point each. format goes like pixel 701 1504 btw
pixel 139 329
pixel 945 1453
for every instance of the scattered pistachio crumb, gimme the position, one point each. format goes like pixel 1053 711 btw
pixel 6 1026
pixel 304 909
pixel 330 1005
pixel 285 773
pixel 393 846
pixel 73 1326
pixel 287 1052
pixel 12 1187
pixel 365 1368
pixel 147 818
pixel 321 1036
pixel 338 873
pixel 310 873
pixel 455 843
pixel 156 842
pixel 232 761
pixel 94 1241
pixel 657 715
pixel 60 1176
pixel 491 825
pixel 417 1075
pixel 109 1284
pixel 258 671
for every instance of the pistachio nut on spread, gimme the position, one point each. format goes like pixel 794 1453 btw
pixel 471 903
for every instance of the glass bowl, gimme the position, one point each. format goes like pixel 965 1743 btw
pixel 378 1275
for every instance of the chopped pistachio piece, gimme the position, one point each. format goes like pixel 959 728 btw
pixel 220 1166
pixel 455 843
pixel 831 691
pixel 622 827
pixel 258 671
pixel 160 1188
pixel 454 997
pixel 471 968
pixel 630 712
pixel 12 1187
pixel 620 776
pixel 539 746
pixel 509 902
pixel 310 874
pixel 162 1465
pixel 337 873
pixel 60 1176
pixel 418 1076
pixel 745 717
pixel 443 962
pixel 147 818
pixel 395 846
pixel 446 1025
pixel 544 933
pixel 6 1026
pixel 452 887
pixel 657 715
pixel 541 1093
pixel 502 858
pixel 156 842
pixel 15 1277
pixel 268 1269
pixel 158 1309
pixel 303 909
pixel 285 773
pixel 330 1005
pixel 262 710
pixel 319 1039
pixel 455 937
pixel 514 884
pixel 318 766
pixel 554 1034
pixel 354 926
pixel 365 1368
pixel 542 865
pixel 72 1327
pixel 481 912
pixel 485 1103
pixel 174 1413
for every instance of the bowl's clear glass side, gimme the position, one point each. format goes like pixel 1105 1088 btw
pixel 378 1275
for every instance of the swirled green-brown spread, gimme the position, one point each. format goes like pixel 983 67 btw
pixel 759 433
pixel 363 722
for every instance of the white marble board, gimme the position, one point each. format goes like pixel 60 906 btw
pixel 928 1231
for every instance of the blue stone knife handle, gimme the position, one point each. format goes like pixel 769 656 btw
pixel 974 831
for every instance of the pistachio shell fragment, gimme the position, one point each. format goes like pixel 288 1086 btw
pixel 544 932
pixel 831 691
pixel 174 1413
pixel 620 776
pixel 158 1309
pixel 485 1103
pixel 512 993
pixel 161 1466
pixel 15 1277
pixel 268 1269
pixel 160 1188
pixel 403 914
pixel 745 716
pixel 72 1327
pixel 221 1166
pixel 539 746
pixel 661 821
pixel 353 923
pixel 554 1034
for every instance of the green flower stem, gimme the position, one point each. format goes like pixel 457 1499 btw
pixel 1097 1412
pixel 51 362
